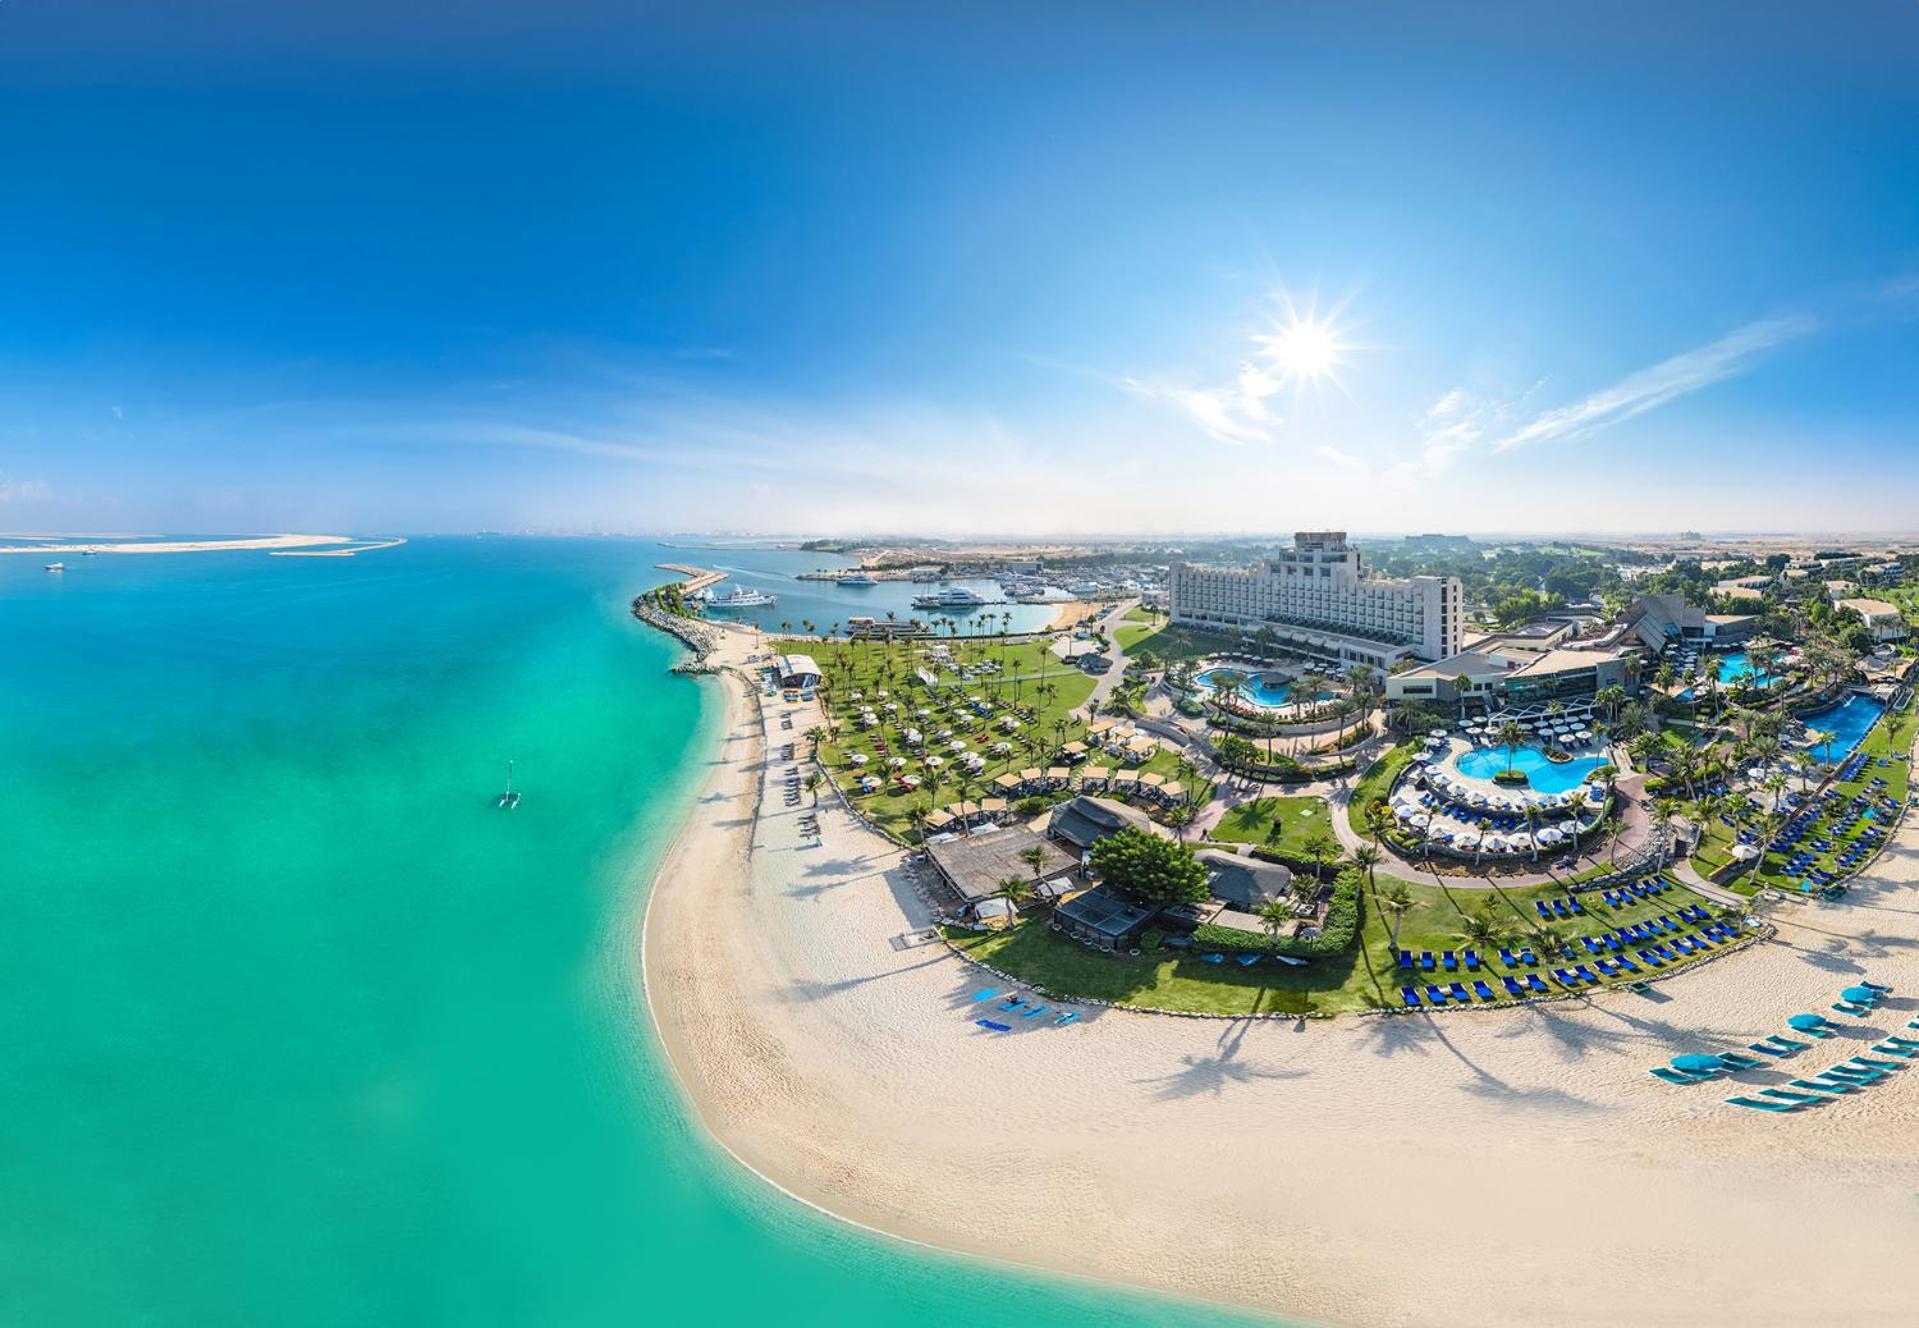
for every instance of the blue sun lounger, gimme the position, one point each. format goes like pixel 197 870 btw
pixel 1871 1064
pixel 1758 1105
pixel 1066 1017
pixel 1485 993
pixel 1890 1048
pixel 1672 1076
pixel 1437 995
pixel 1787 1095
pixel 1409 998
pixel 1034 1012
pixel 1766 1049
pixel 1248 960
pixel 997 1028
pixel 1512 985
pixel 1213 959
pixel 1536 983
pixel 1738 1062
pixel 986 995
pixel 1785 1042
pixel 1457 991
pixel 1836 1087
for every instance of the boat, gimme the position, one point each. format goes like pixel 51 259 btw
pixel 857 579
pixel 953 597
pixel 56 567
pixel 739 598
pixel 510 799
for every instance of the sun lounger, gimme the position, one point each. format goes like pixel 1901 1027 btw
pixel 1833 1086
pixel 1673 1076
pixel 1485 993
pixel 1066 1017
pixel 1894 1049
pixel 1405 958
pixel 997 1028
pixel 1765 1049
pixel 1855 1073
pixel 1875 986
pixel 1409 998
pixel 1856 1011
pixel 1012 1003
pixel 986 995
pixel 1213 959
pixel 1787 1095
pixel 1457 991
pixel 1512 985
pixel 1759 1105
pixel 1536 983
pixel 1246 960
pixel 1738 1062
pixel 1871 1064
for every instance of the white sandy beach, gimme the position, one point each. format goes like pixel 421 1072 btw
pixel 182 546
pixel 1454 1169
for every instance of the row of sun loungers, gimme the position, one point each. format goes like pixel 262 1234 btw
pixel 1019 1005
pixel 1851 1075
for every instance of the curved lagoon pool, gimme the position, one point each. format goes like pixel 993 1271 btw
pixel 1848 723
pixel 1543 775
pixel 1266 690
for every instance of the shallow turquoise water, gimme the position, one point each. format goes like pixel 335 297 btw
pixel 298 1029
pixel 1542 774
pixel 1848 722
pixel 1267 690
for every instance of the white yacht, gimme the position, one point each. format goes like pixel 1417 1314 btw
pixel 953 597
pixel 56 567
pixel 740 598
pixel 857 579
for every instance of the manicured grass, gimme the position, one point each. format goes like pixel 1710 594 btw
pixel 1365 977
pixel 1283 824
pixel 1376 783
pixel 1174 643
pixel 891 667
pixel 1891 736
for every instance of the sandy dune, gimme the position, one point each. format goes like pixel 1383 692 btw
pixel 183 546
pixel 1458 1169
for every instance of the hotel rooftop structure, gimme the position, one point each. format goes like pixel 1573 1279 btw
pixel 1319 601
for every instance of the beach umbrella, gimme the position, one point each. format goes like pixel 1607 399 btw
pixel 1806 1022
pixel 1435 733
pixel 1404 811
pixel 935 762
pixel 1694 1061
pixel 895 762
pixel 1420 821
pixel 1866 994
pixel 957 745
pixel 923 711
pixel 860 758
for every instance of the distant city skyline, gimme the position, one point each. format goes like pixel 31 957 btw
pixel 973 270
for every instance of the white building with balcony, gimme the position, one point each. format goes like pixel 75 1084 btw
pixel 1318 600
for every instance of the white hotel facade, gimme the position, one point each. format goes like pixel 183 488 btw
pixel 1318 600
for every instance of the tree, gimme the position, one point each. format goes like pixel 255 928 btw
pixel 1481 928
pixel 1511 737
pixel 1322 848
pixel 1150 869
pixel 1034 857
pixel 1015 890
pixel 813 785
pixel 1275 915
pixel 1395 901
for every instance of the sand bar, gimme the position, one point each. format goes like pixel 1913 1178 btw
pixel 185 546
pixel 1367 1169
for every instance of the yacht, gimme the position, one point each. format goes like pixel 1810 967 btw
pixel 739 598
pixel 56 567
pixel 857 579
pixel 953 597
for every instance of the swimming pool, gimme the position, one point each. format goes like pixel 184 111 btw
pixel 1734 666
pixel 1266 690
pixel 1543 775
pixel 1847 722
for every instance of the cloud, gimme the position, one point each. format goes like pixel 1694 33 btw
pixel 1670 379
pixel 1235 413
pixel 1327 452
pixel 24 491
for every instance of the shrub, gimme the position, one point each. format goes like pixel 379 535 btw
pixel 1152 939
pixel 1335 934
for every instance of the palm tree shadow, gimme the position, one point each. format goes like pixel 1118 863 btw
pixel 1212 1075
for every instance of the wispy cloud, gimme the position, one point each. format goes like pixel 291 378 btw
pixel 1231 413
pixel 1670 379
pixel 24 491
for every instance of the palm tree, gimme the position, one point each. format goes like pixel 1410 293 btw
pixel 916 818
pixel 1015 890
pixel 1512 738
pixel 1275 915
pixel 813 785
pixel 1482 929
pixel 1322 848
pixel 1395 901
pixel 815 735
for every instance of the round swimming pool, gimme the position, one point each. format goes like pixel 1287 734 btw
pixel 1269 691
pixel 1543 775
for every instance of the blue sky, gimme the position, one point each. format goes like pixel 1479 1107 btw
pixel 961 268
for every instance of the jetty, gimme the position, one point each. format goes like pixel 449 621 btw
pixel 697 578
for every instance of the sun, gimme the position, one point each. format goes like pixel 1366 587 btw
pixel 1305 349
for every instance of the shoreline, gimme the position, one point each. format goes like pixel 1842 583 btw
pixel 846 1073
pixel 270 542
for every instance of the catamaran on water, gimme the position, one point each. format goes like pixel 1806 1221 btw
pixel 510 799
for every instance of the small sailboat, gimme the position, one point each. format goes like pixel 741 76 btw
pixel 509 799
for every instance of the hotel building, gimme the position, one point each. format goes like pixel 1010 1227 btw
pixel 1319 601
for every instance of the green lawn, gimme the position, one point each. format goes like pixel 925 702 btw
pixel 1284 824
pixel 1033 679
pixel 1174 643
pixel 1891 736
pixel 1376 783
pixel 1365 977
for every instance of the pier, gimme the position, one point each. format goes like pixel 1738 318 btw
pixel 697 578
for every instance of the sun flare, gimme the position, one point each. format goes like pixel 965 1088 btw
pixel 1305 349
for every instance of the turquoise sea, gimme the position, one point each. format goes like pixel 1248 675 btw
pixel 298 1029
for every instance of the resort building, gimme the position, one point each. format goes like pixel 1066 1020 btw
pixel 1086 820
pixel 798 671
pixel 1103 918
pixel 1317 600
pixel 1658 620
pixel 973 865
pixel 1884 621
pixel 1495 679
pixel 1243 883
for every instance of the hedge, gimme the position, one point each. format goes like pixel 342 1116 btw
pixel 1337 933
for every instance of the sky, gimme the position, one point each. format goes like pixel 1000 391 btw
pixel 958 268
